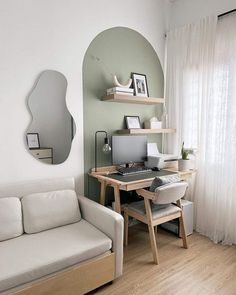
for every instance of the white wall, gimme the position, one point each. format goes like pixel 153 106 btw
pixel 189 11
pixel 54 34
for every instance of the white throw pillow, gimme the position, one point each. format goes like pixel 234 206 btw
pixel 42 211
pixel 10 218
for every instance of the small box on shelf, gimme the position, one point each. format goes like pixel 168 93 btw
pixel 153 125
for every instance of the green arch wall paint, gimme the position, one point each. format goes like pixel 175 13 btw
pixel 121 51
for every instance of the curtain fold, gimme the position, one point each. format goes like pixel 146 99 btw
pixel 201 105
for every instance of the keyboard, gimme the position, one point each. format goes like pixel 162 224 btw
pixel 133 170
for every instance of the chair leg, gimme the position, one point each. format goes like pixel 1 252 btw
pixel 183 231
pixel 126 219
pixel 153 244
pixel 151 230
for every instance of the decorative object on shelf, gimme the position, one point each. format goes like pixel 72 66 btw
pixel 117 83
pixel 153 123
pixel 114 77
pixel 184 163
pixel 120 90
pixel 164 117
pixel 33 140
pixel 140 84
pixel 132 122
pixel 106 149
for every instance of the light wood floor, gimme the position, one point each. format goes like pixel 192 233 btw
pixel 203 269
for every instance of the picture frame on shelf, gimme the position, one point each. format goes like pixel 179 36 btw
pixel 33 140
pixel 132 122
pixel 140 84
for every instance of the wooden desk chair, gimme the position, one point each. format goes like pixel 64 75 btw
pixel 158 213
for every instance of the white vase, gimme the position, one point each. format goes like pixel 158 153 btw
pixel 184 165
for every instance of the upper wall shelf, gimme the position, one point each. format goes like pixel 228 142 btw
pixel 133 99
pixel 146 131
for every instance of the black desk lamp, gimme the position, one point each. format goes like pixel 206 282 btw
pixel 106 148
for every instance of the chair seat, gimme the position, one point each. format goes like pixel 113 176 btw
pixel 158 211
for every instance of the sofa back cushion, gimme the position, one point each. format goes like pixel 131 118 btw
pixel 42 211
pixel 10 218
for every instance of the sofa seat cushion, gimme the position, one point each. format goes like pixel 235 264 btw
pixel 32 256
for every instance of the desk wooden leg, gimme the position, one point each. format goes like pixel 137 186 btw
pixel 117 198
pixel 103 193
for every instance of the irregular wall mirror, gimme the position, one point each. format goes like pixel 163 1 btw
pixel 52 129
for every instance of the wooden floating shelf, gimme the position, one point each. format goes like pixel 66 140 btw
pixel 133 99
pixel 146 131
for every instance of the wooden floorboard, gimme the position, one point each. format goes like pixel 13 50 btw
pixel 203 269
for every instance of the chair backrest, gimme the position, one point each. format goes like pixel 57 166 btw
pixel 170 192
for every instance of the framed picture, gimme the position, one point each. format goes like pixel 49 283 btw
pixel 132 122
pixel 33 140
pixel 140 84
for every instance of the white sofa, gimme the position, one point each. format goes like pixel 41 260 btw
pixel 52 242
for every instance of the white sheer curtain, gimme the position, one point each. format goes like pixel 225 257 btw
pixel 201 104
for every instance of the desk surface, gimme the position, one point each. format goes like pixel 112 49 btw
pixel 140 176
pixel 109 176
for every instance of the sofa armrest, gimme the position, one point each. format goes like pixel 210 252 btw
pixel 110 223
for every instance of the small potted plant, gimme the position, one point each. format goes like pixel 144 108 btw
pixel 184 163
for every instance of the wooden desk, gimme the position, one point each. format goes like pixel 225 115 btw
pixel 107 177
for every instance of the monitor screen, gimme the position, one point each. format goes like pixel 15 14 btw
pixel 129 149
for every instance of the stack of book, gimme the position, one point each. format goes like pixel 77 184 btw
pixel 120 90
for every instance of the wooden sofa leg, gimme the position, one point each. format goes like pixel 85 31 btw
pixel 126 219
pixel 183 231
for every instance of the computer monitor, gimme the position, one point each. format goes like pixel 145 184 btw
pixel 129 149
